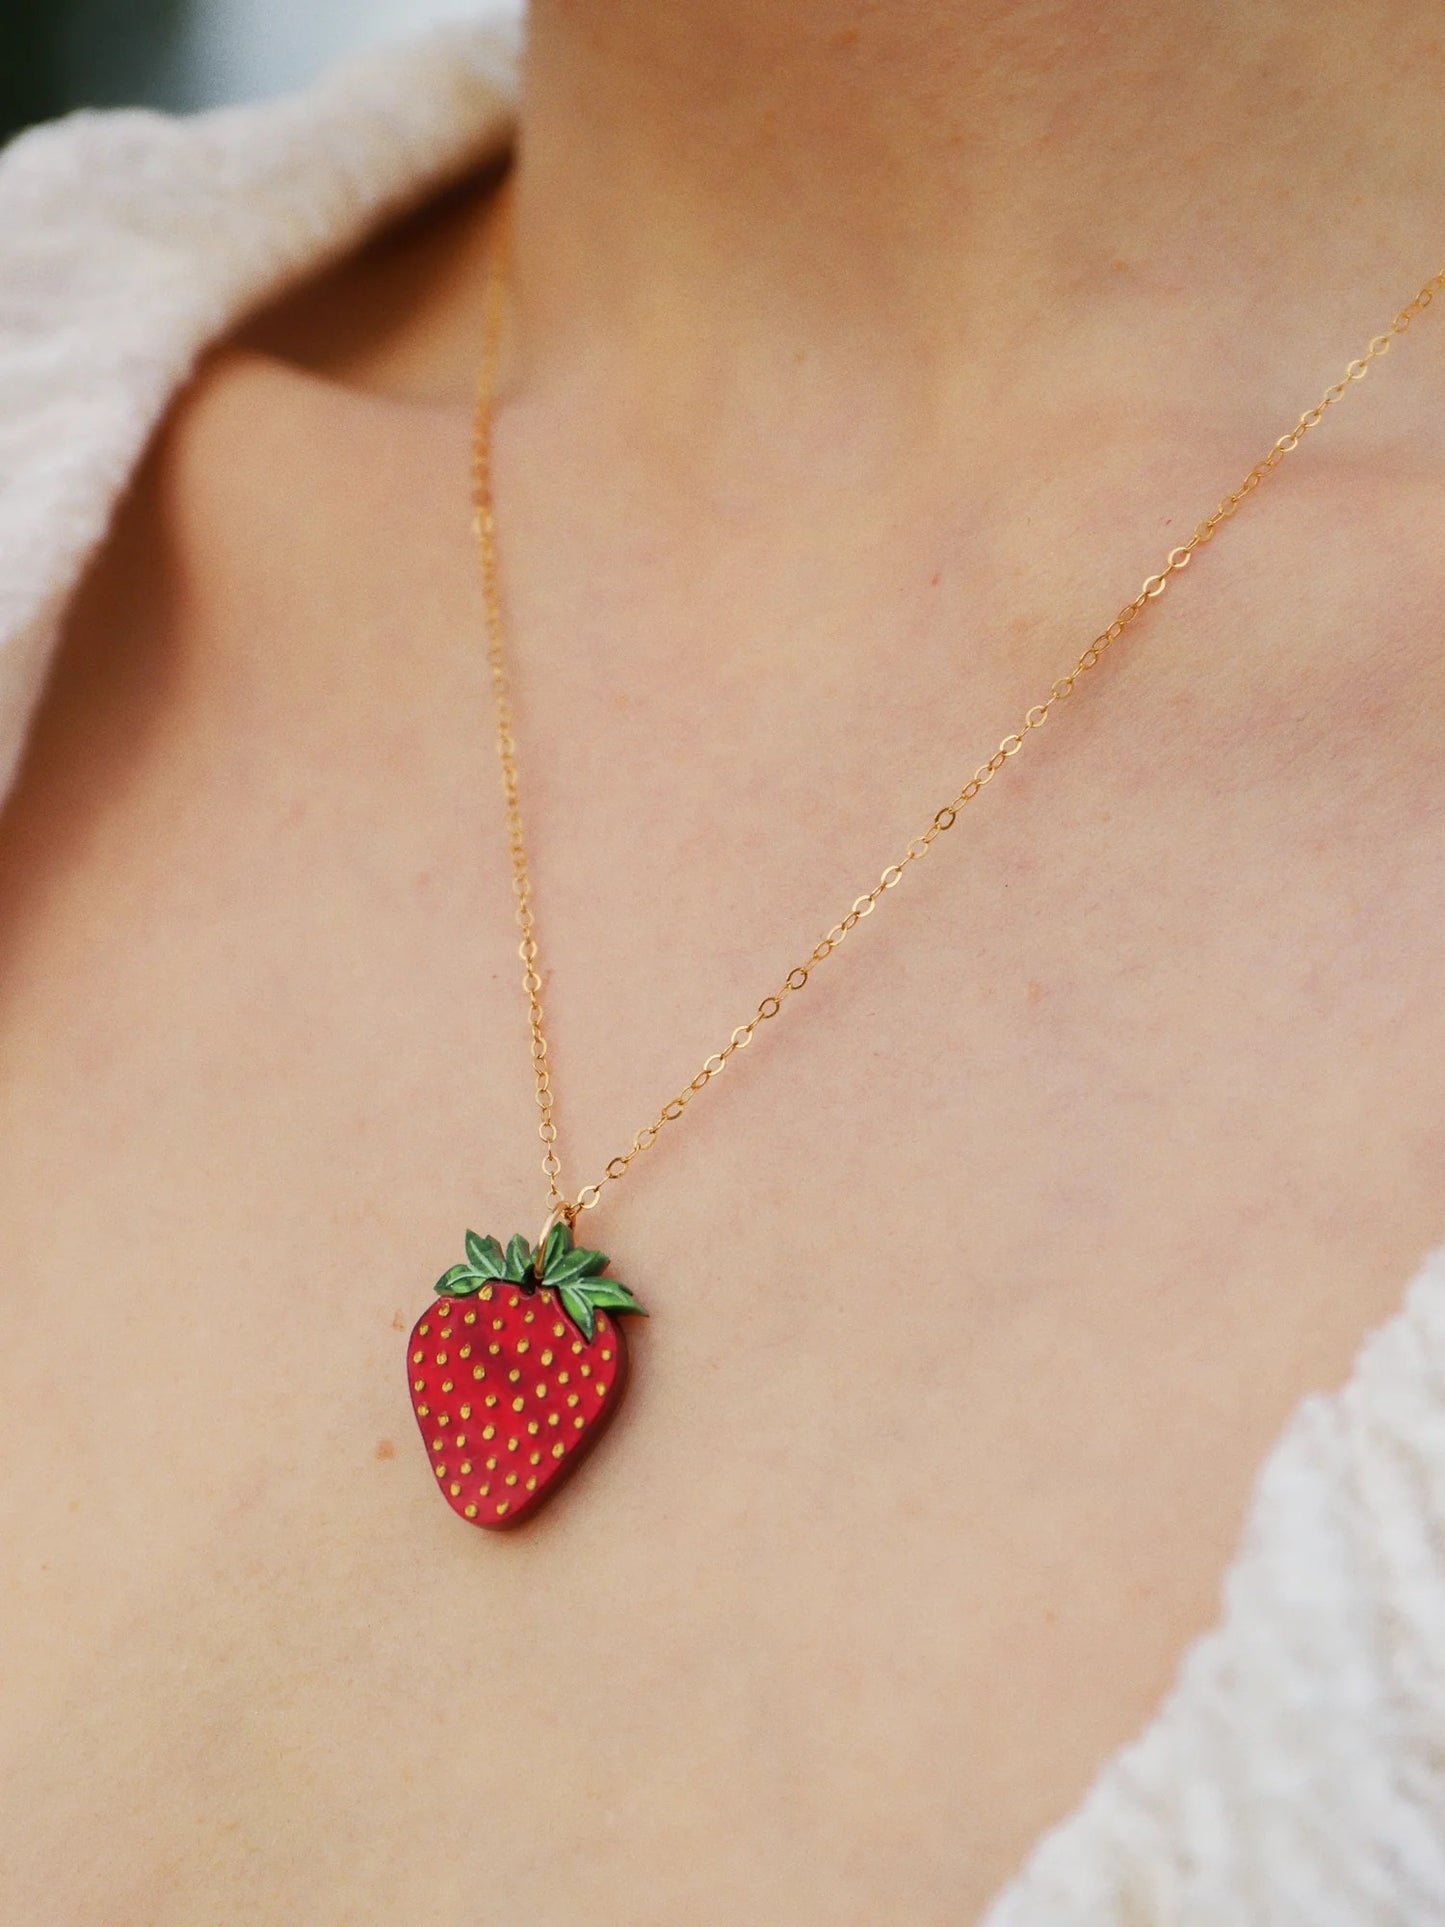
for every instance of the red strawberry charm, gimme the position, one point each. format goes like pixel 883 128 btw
pixel 516 1371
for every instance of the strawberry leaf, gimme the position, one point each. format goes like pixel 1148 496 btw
pixel 557 1244
pixel 583 1298
pixel 607 1295
pixel 574 1265
pixel 519 1259
pixel 579 1310
pixel 486 1256
pixel 460 1282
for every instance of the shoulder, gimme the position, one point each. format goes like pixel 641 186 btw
pixel 261 473
pixel 130 242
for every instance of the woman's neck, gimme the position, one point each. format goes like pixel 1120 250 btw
pixel 970 192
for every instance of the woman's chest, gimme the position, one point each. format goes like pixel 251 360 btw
pixel 979 1286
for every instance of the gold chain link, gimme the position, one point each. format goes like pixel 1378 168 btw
pixel 943 819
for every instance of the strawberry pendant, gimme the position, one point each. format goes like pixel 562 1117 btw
pixel 516 1371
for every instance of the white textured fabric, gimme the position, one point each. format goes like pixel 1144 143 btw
pixel 1295 1776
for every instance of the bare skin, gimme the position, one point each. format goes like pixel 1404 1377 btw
pixel 984 1284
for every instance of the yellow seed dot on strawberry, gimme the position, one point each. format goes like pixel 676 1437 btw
pixel 465 1467
pixel 437 1444
pixel 532 1426
pixel 441 1471
pixel 471 1511
pixel 444 1311
pixel 489 1431
pixel 541 1389
pixel 460 1439
pixel 559 1330
pixel 455 1489
pixel 491 1465
pixel 470 1319
pixel 558 1449
pixel 501 1507
pixel 479 1371
pixel 564 1378
pixel 465 1352
pixel 483 1490
pixel 423 1411
pixel 601 1388
pixel 466 1411
pixel 443 1419
pixel 423 1329
pixel 511 1478
pixel 577 1346
pixel 586 1370
pixel 554 1418
pixel 490 1399
pixel 441 1358
pixel 579 1421
pixel 416 1358
pixel 547 1357
pixel 485 1292
pixel 532 1483
pixel 605 1353
pixel 574 1398
pixel 536 1458
pixel 494 1348
pixel 447 1385
pixel 497 1324
pixel 527 1317
pixel 518 1403
pixel 512 1445
pixel 524 1345
pixel 418 1384
pixel 514 1374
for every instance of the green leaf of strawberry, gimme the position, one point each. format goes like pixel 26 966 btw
pixel 583 1300
pixel 459 1282
pixel 578 1310
pixel 518 1260
pixel 573 1265
pixel 572 1272
pixel 486 1256
pixel 606 1291
pixel 555 1247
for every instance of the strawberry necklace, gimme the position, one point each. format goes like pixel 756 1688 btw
pixel 517 1367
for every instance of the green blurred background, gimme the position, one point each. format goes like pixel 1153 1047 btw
pixel 57 54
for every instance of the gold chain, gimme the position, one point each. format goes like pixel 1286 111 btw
pixel 943 819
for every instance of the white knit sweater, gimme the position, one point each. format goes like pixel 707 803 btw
pixel 1295 1775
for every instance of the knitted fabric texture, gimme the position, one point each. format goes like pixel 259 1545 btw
pixel 1295 1775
